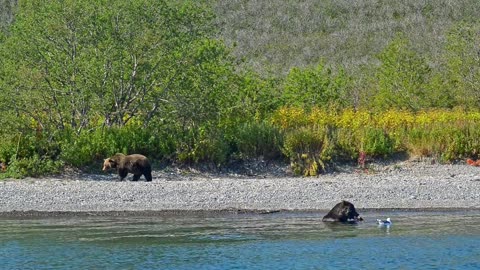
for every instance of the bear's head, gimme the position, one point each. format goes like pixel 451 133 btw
pixel 109 163
pixel 348 210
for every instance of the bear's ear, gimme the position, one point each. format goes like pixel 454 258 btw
pixel 112 162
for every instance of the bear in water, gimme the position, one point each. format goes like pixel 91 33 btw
pixel 343 212
pixel 135 164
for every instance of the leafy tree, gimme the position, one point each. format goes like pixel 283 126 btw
pixel 314 86
pixel 74 64
pixel 204 86
pixel 462 75
pixel 50 72
pixel 402 77
pixel 148 61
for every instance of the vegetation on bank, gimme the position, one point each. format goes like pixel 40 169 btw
pixel 81 81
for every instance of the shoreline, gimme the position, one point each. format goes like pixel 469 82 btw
pixel 403 186
pixel 32 214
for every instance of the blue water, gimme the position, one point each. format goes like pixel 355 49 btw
pixel 416 240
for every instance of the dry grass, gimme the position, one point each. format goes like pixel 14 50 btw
pixel 273 36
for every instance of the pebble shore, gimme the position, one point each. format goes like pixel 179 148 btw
pixel 405 185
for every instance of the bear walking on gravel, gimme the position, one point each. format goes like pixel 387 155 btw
pixel 343 212
pixel 135 164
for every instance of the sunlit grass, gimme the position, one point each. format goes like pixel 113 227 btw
pixel 446 135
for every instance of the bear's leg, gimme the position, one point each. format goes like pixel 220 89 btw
pixel 122 174
pixel 148 176
pixel 136 177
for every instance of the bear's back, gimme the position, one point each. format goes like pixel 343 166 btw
pixel 138 160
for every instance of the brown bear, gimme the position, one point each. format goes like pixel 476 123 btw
pixel 135 164
pixel 343 212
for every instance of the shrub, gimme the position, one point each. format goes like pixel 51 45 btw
pixel 317 86
pixel 83 149
pixel 202 145
pixel 257 139
pixel 376 142
pixel 33 166
pixel 308 150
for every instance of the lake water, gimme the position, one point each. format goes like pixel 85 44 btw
pixel 285 240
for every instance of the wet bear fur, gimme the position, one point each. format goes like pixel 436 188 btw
pixel 342 212
pixel 135 164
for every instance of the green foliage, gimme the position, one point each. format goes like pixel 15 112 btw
pixel 202 146
pixel 29 155
pixel 73 64
pixel 82 80
pixel 24 146
pixel 34 166
pixel 258 139
pixel 308 150
pixel 256 98
pixel 401 77
pixel 9 148
pixel 96 145
pixel 203 91
pixel 310 87
pixel 462 76
pixel 377 142
pixel 446 142
pixel 347 144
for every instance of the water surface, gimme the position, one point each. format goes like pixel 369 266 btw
pixel 416 240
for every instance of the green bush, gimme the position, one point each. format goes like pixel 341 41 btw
pixel 310 87
pixel 377 142
pixel 8 148
pixel 30 155
pixel 345 144
pixel 33 166
pixel 202 145
pixel 402 77
pixel 258 139
pixel 308 150
pixel 83 149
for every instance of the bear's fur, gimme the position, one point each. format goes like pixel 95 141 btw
pixel 342 212
pixel 135 164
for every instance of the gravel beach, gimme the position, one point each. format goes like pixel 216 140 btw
pixel 403 185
